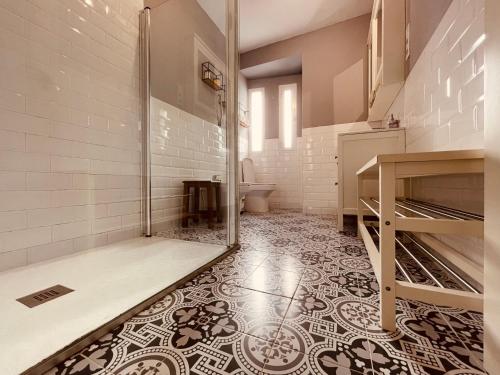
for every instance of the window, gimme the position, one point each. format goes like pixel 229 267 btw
pixel 257 119
pixel 288 115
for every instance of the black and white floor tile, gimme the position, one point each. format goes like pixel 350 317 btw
pixel 198 232
pixel 297 298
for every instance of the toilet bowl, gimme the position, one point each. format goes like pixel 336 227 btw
pixel 244 189
pixel 257 194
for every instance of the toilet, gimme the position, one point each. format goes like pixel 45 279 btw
pixel 256 194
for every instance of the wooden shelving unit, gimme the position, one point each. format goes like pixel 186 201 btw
pixel 405 215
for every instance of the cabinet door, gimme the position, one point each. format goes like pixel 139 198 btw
pixel 357 149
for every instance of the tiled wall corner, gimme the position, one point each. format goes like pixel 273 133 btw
pixel 442 102
pixel 183 147
pixel 69 126
pixel 319 170
pixel 244 143
pixel 282 167
pixel 305 176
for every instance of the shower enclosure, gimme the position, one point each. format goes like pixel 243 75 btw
pixel 189 61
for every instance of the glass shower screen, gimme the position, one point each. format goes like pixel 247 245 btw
pixel 190 148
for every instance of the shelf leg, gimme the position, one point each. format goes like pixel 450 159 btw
pixel 387 191
pixel 407 188
pixel 360 204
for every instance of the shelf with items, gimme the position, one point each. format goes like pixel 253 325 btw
pixel 212 76
pixel 400 215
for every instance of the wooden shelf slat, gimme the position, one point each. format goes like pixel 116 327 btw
pixel 443 226
pixel 366 201
pixel 430 225
pixel 440 296
pixel 434 156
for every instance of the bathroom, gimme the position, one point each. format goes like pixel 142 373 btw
pixel 298 156
pixel 249 187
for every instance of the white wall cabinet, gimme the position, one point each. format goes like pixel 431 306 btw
pixel 355 149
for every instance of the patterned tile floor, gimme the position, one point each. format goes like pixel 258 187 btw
pixel 198 232
pixel 298 298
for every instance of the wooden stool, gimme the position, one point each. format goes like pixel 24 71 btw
pixel 213 196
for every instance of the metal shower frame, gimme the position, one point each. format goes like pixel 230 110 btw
pixel 232 122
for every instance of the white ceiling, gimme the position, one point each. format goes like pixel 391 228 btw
pixel 281 67
pixel 216 10
pixel 263 22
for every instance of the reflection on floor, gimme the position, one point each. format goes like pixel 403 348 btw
pixel 298 298
pixel 198 232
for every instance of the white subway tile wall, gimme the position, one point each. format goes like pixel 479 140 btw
pixel 320 169
pixel 243 143
pixel 305 176
pixel 183 147
pixel 69 126
pixel 282 167
pixel 442 102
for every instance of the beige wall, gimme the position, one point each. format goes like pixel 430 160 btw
pixel 492 198
pixel 175 62
pixel 332 82
pixel 243 106
pixel 271 87
pixel 423 16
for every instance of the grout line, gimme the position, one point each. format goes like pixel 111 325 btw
pixel 458 337
pixel 272 340
pixel 366 332
pixel 262 291
pixel 289 305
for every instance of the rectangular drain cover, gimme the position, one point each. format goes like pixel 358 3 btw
pixel 45 295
